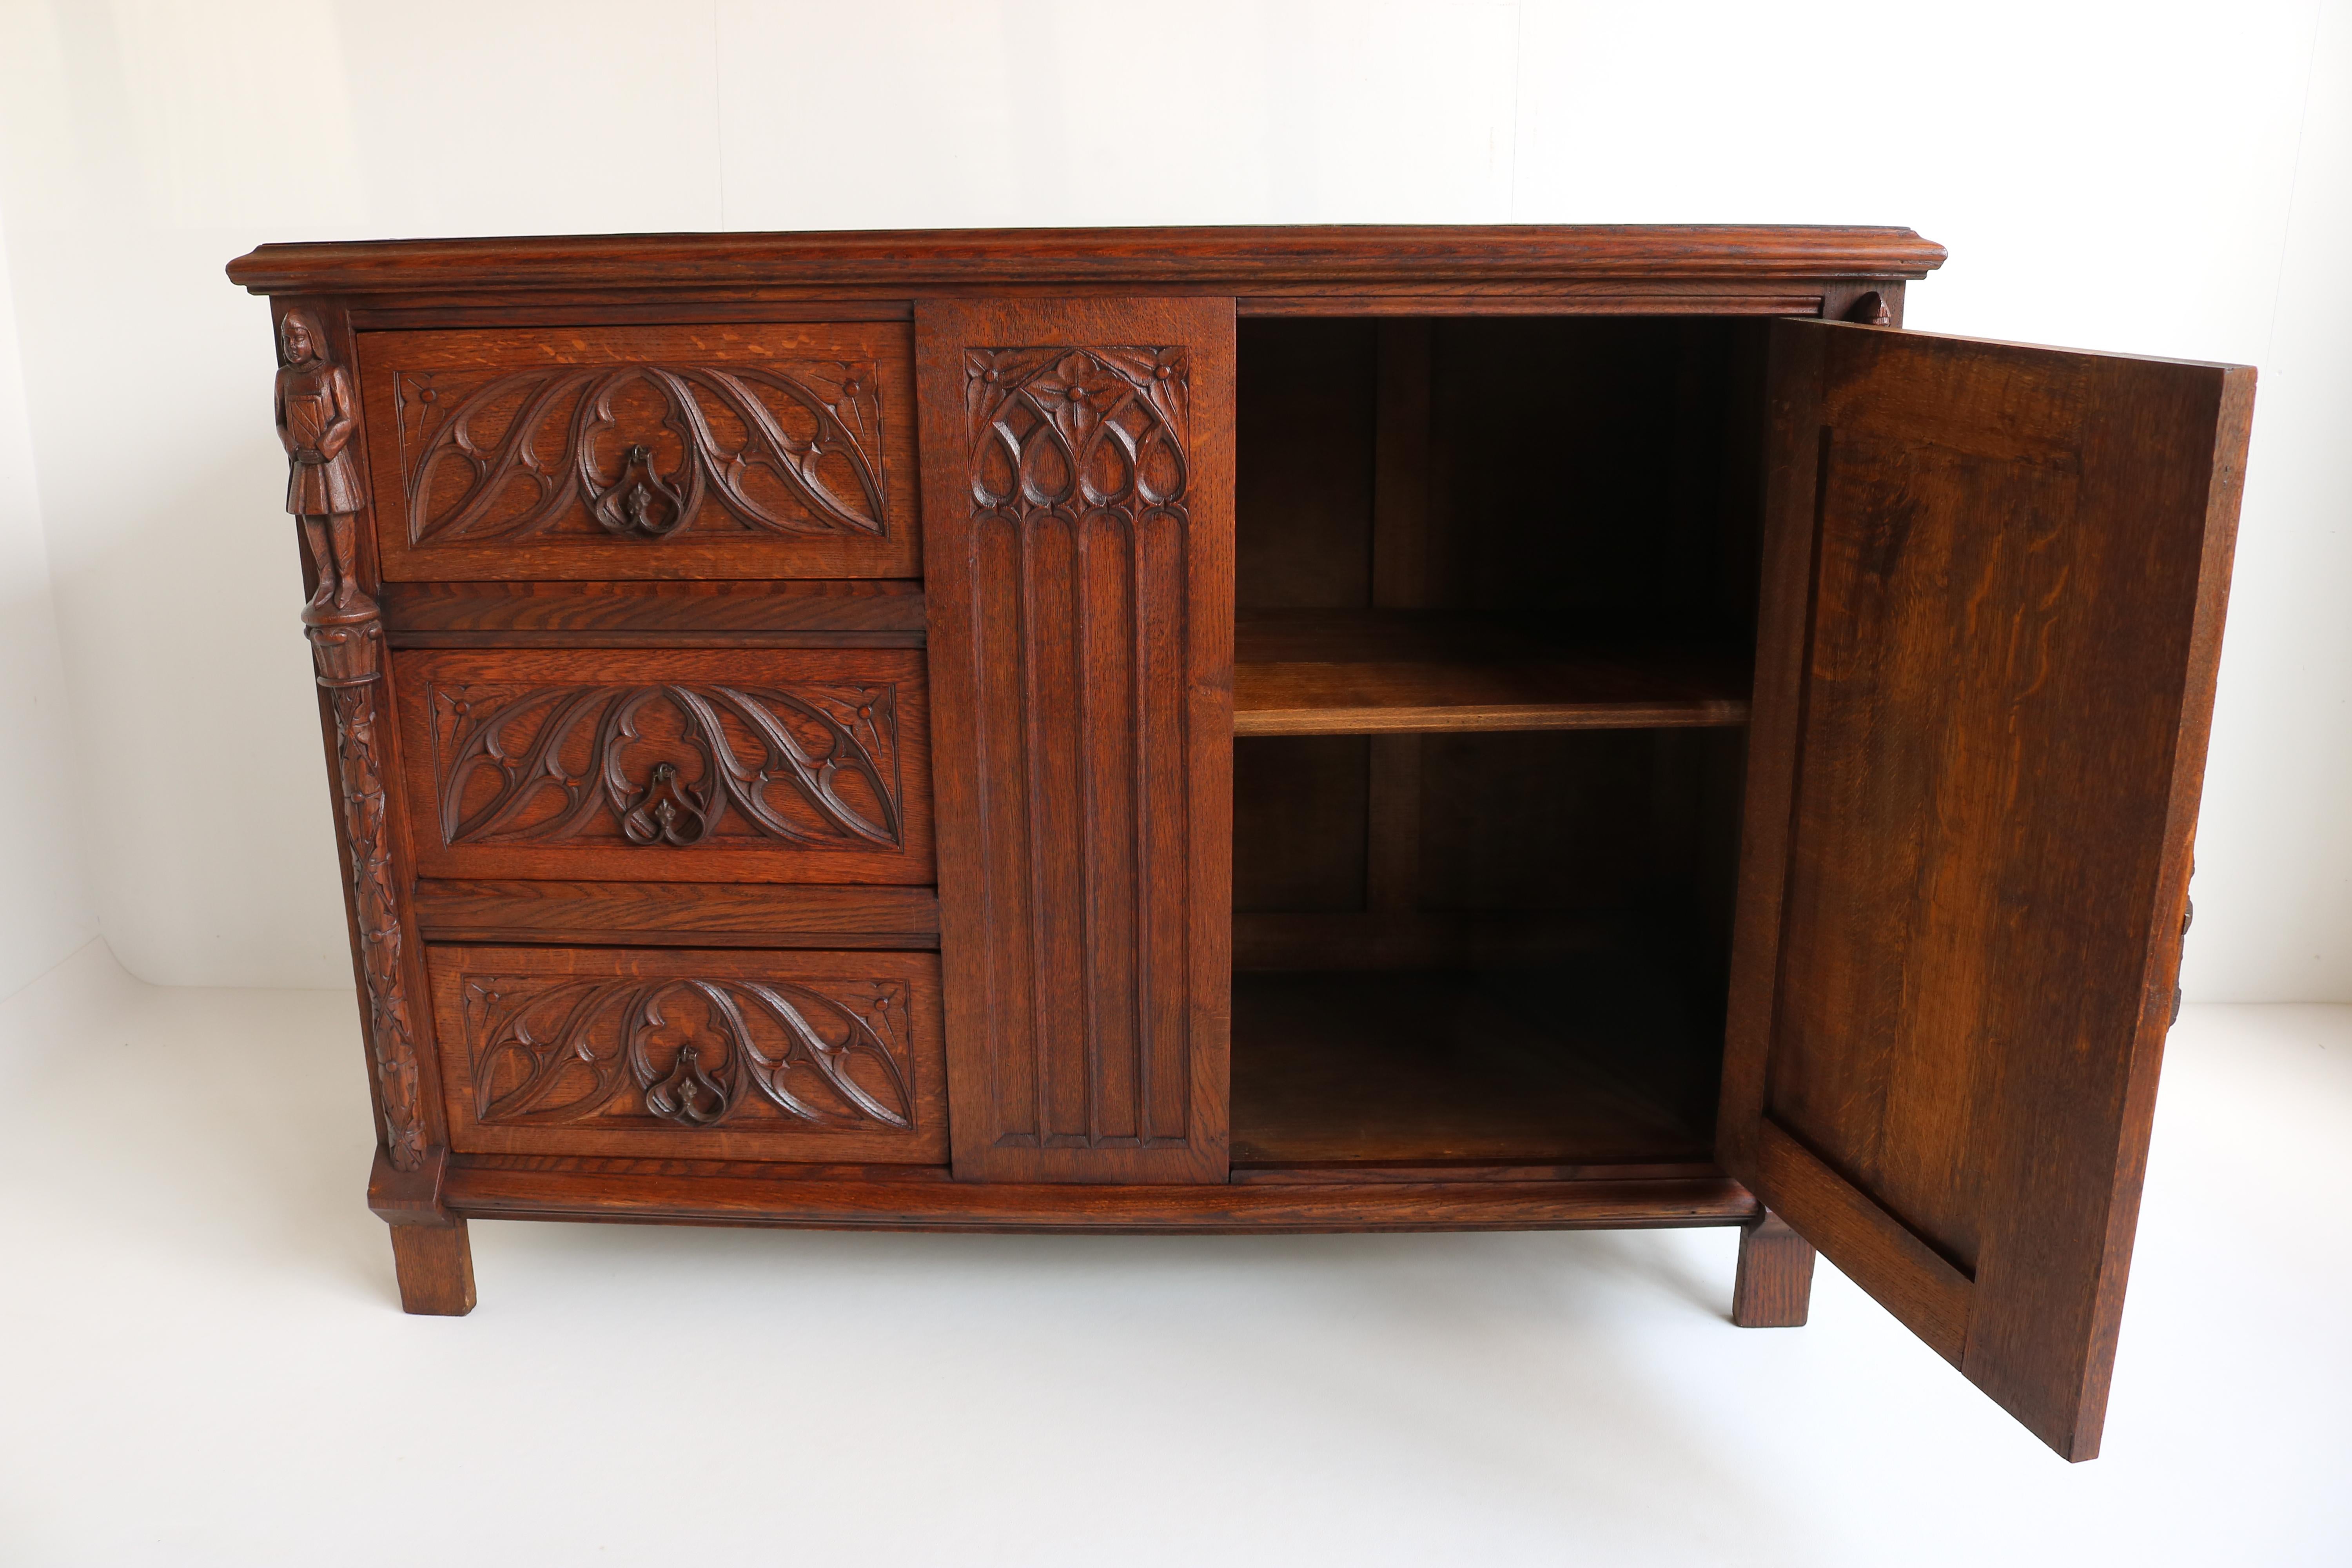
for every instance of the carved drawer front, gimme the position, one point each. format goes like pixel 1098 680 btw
pixel 772 451
pixel 669 765
pixel 722 1056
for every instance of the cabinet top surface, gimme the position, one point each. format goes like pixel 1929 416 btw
pixel 1339 255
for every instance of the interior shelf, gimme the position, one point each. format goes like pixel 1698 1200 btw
pixel 1546 1066
pixel 1358 672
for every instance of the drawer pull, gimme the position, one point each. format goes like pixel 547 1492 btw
pixel 640 504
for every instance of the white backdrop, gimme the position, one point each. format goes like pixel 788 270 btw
pixel 2171 179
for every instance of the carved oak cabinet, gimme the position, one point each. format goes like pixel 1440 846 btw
pixel 1286 730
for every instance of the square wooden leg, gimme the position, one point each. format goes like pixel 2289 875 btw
pixel 436 1265
pixel 1776 1276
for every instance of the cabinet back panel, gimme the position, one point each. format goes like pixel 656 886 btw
pixel 1301 810
pixel 1303 487
pixel 1577 464
pixel 1595 464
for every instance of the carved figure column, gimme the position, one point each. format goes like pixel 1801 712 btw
pixel 317 416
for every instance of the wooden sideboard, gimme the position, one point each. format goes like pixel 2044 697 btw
pixel 1298 728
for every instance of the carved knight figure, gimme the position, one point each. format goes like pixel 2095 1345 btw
pixel 317 417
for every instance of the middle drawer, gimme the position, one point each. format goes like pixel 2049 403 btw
pixel 668 765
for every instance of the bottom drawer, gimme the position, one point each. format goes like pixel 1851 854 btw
pixel 693 1055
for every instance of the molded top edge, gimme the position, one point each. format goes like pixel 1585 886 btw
pixel 1241 256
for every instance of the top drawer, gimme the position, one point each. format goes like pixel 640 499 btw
pixel 781 449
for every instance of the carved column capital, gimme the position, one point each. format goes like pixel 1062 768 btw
pixel 347 652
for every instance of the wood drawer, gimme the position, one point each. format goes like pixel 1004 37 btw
pixel 779 449
pixel 668 765
pixel 823 1056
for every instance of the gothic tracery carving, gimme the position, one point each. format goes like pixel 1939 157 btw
pixel 694 1053
pixel 642 451
pixel 809 764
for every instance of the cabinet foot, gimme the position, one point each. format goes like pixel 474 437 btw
pixel 436 1265
pixel 1776 1276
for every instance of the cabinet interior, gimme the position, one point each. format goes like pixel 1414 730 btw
pixel 1495 598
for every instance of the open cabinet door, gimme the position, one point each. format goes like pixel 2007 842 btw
pixel 1994 579
pixel 1079 551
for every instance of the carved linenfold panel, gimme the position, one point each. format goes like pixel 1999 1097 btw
pixel 675 764
pixel 349 658
pixel 1080 614
pixel 693 1052
pixel 641 451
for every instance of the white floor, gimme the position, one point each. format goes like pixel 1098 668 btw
pixel 202 1360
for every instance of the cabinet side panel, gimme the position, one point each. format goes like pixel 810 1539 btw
pixel 1078 485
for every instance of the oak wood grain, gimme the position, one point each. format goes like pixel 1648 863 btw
pixel 676 914
pixel 670 764
pixel 1473 1065
pixel 692 1054
pixel 1446 256
pixel 1775 1283
pixel 1308 672
pixel 765 613
pixel 434 1266
pixel 1078 472
pixel 1995 579
pixel 684 451
pixel 485 1193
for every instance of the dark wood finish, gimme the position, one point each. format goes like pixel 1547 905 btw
pixel 1388 1068
pixel 1994 597
pixel 435 1264
pixel 1358 672
pixel 855 614
pixel 744 451
pixel 669 765
pixel 1335 260
pixel 1079 480
pixel 1775 1286
pixel 316 412
pixel 1452 1173
pixel 1924 850
pixel 488 1192
pixel 692 1055
pixel 1412 939
pixel 678 914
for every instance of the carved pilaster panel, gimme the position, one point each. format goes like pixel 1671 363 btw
pixel 349 658
pixel 317 416
pixel 1081 593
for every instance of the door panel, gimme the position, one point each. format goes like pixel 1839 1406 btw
pixel 1994 583
pixel 1077 476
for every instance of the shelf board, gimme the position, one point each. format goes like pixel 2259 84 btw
pixel 1545 1068
pixel 1363 672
